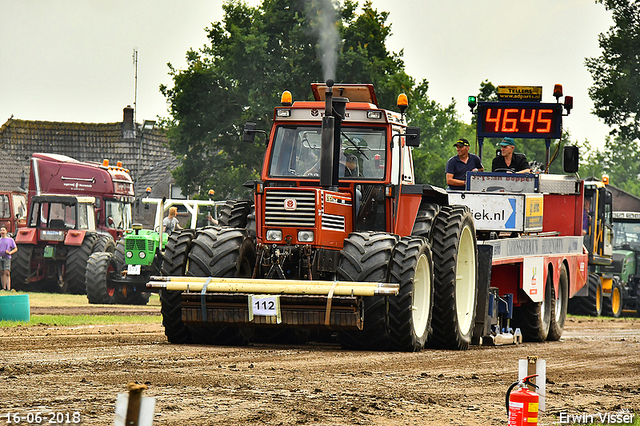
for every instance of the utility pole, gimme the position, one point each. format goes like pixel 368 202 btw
pixel 135 95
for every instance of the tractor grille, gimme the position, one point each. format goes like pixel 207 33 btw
pixel 333 222
pixel 135 244
pixel 304 216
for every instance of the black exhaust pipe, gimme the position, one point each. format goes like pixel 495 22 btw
pixel 334 113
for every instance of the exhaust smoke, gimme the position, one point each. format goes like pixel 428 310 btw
pixel 324 20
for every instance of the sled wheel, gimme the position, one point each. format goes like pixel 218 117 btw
pixel 366 257
pixel 455 257
pixel 559 305
pixel 534 318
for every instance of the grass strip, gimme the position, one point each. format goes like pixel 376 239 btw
pixel 73 320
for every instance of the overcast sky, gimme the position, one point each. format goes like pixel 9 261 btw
pixel 71 60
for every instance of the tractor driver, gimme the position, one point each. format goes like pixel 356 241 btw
pixel 348 165
pixel 508 161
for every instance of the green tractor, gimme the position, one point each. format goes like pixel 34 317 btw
pixel 625 268
pixel 121 277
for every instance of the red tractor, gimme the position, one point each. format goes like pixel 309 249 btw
pixel 340 239
pixel 74 209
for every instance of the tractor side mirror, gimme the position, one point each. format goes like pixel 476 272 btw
pixel 570 159
pixel 249 134
pixel 413 136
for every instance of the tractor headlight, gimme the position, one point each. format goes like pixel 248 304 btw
pixel 142 255
pixel 305 236
pixel 129 254
pixel 274 235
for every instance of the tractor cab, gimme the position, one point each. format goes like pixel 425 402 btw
pixel 597 226
pixel 59 213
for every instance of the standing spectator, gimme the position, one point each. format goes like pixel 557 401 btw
pixel 7 248
pixel 170 222
pixel 458 165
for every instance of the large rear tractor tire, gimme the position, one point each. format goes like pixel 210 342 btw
pixel 76 265
pixel 366 256
pixel 590 305
pixel 21 267
pixel 234 213
pixel 410 311
pixel 222 252
pixel 99 265
pixel 174 262
pixel 104 243
pixel 455 258
pixel 612 306
pixel 534 319
pixel 559 305
pixel 423 225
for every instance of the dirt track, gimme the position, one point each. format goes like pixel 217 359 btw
pixel 594 369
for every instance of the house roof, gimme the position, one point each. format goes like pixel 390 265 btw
pixel 158 173
pixel 119 141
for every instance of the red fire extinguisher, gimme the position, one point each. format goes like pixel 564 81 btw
pixel 522 404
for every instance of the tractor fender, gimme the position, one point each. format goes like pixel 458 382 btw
pixel 26 236
pixel 74 238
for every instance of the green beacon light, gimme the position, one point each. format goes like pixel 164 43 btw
pixel 472 102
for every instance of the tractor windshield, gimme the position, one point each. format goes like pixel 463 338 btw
pixel 296 152
pixel 118 214
pixel 626 235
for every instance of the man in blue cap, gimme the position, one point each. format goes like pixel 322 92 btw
pixel 458 165
pixel 509 161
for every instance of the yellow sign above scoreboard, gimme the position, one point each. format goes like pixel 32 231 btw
pixel 520 93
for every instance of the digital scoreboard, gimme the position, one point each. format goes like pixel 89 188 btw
pixel 520 120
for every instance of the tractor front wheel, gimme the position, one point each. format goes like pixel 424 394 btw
pixel 612 306
pixel 174 262
pixel 99 266
pixel 221 252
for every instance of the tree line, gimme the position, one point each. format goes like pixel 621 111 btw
pixel 255 53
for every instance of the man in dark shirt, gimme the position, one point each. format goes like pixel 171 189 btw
pixel 458 165
pixel 509 161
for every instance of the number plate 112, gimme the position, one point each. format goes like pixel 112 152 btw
pixel 264 306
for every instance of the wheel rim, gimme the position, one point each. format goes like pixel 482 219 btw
pixel 615 300
pixel 598 298
pixel 465 280
pixel 421 296
pixel 558 310
pixel 546 301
